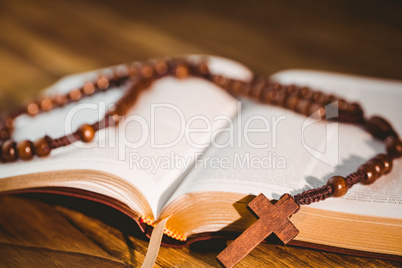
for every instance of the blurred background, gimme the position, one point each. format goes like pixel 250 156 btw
pixel 44 40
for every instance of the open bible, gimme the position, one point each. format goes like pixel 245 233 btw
pixel 189 151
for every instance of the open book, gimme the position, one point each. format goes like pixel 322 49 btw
pixel 190 151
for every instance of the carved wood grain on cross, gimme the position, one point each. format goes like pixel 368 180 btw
pixel 272 219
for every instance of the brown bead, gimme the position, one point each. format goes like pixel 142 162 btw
pixel 387 162
pixel 303 106
pixel 46 104
pixel 291 102
pixel 339 186
pixel 42 147
pixel 355 108
pixel 147 71
pixel 236 86
pixel 181 71
pixel 161 68
pixel 221 81
pixel 379 127
pixel 394 146
pixel 9 122
pixel 293 90
pixel 4 134
pixel 319 97
pixel 258 86
pixel 202 69
pixel 60 100
pixel 378 166
pixel 331 98
pixel 279 88
pixel 370 173
pixel 120 72
pixel 25 149
pixel 282 98
pixel 102 83
pixel 342 105
pixel 88 88
pixel 8 150
pixel 134 69
pixel 87 132
pixel 272 97
pixel 318 110
pixel 32 109
pixel 74 94
pixel 306 93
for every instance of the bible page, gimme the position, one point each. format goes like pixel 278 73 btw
pixel 151 148
pixel 274 151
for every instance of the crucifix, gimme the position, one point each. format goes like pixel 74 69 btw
pixel 272 219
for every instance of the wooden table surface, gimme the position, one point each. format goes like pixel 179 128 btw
pixel 42 41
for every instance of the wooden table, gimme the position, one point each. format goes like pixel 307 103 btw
pixel 42 41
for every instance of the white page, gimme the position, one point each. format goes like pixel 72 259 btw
pixel 113 149
pixel 292 168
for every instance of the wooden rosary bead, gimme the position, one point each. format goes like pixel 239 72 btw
pixel 46 104
pixel 272 97
pixel 202 69
pixel 306 93
pixel 355 108
pixel 291 102
pixel 387 162
pixel 181 71
pixel 338 185
pixel 8 151
pixel 318 110
pixel 32 109
pixel 25 149
pixel 134 69
pixel 236 86
pixel 9 122
pixel 221 81
pixel 394 146
pixel 370 173
pixel 266 95
pixel 378 166
pixel 102 83
pixel 293 90
pixel 319 97
pixel 282 98
pixel 342 105
pixel 87 132
pixel 330 99
pixel 257 87
pixel 161 68
pixel 4 134
pixel 75 94
pixel 119 73
pixel 379 127
pixel 303 106
pixel 279 88
pixel 60 100
pixel 42 147
pixel 88 88
pixel 147 71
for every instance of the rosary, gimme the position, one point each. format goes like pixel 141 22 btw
pixel 303 100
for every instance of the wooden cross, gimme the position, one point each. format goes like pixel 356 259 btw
pixel 272 219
